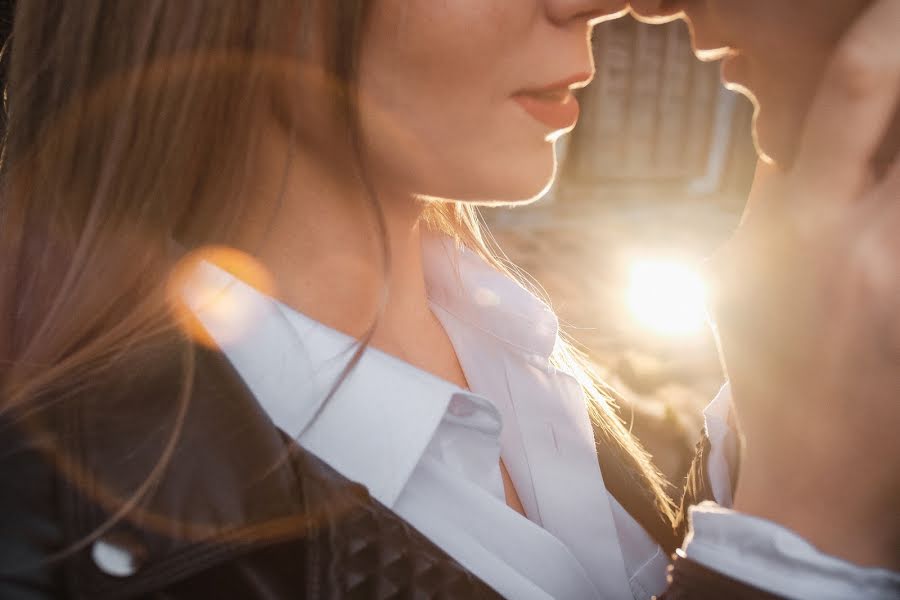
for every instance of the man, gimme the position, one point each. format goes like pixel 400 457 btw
pixel 806 300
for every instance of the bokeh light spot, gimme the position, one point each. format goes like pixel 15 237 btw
pixel 486 297
pixel 195 285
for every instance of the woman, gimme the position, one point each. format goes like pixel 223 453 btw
pixel 185 299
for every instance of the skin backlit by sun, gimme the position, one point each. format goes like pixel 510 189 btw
pixel 667 297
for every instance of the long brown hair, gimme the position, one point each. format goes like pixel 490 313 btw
pixel 130 125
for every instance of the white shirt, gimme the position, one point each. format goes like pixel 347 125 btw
pixel 430 451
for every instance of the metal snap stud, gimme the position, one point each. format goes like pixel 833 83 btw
pixel 117 554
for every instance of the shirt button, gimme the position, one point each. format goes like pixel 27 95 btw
pixel 460 406
pixel 117 555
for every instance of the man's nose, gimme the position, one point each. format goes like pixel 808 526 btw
pixel 566 11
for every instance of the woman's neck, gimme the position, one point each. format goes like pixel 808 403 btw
pixel 321 244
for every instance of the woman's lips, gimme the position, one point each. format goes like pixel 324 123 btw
pixel 557 109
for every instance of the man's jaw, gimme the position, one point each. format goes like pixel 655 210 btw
pixel 656 11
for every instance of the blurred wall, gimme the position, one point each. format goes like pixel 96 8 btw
pixel 655 113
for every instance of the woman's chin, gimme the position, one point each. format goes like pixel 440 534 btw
pixel 522 191
pixel 514 182
pixel 506 196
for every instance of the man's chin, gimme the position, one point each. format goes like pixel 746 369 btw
pixel 654 11
pixel 776 135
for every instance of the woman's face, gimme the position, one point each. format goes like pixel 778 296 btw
pixel 463 99
pixel 781 48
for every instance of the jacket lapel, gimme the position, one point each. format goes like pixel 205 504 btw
pixel 230 484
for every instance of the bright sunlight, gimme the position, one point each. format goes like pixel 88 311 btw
pixel 667 297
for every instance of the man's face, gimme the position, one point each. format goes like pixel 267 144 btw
pixel 780 51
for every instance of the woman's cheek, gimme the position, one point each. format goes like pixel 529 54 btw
pixel 436 81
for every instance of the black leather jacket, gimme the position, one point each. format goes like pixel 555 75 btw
pixel 237 511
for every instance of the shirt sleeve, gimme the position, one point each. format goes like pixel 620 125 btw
pixel 723 443
pixel 764 555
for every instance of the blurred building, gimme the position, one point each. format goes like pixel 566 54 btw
pixel 656 114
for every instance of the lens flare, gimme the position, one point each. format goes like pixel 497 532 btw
pixel 200 283
pixel 667 297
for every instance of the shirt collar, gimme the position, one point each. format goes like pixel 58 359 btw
pixel 378 423
pixel 466 286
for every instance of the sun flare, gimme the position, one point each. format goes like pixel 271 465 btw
pixel 667 297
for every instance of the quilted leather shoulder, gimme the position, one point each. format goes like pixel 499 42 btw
pixel 175 496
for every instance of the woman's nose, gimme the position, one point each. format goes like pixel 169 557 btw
pixel 565 11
